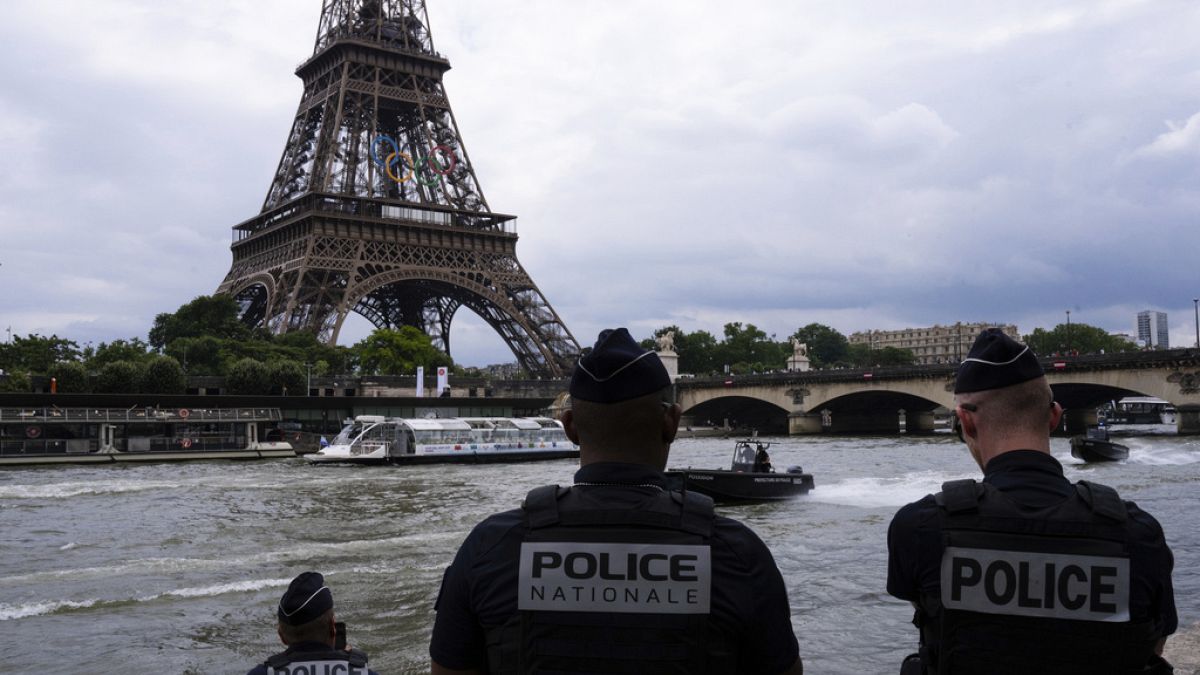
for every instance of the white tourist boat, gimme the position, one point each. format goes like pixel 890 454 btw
pixel 375 439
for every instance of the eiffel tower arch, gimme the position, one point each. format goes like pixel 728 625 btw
pixel 375 207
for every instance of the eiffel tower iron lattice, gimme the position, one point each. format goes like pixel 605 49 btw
pixel 375 207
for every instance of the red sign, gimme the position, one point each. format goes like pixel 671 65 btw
pixel 867 376
pixel 1060 365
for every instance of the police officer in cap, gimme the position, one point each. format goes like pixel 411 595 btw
pixel 308 627
pixel 615 573
pixel 1026 572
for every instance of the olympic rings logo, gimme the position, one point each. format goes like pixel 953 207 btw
pixel 410 168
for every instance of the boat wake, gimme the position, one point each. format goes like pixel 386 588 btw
pixel 1159 456
pixel 878 492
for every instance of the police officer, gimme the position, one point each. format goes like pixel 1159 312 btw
pixel 308 627
pixel 1027 572
pixel 615 573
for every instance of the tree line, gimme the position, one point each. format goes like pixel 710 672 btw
pixel 205 337
pixel 744 348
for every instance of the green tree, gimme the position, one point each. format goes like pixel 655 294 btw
pixel 697 351
pixel 134 350
pixel 862 356
pixel 826 346
pixel 15 381
pixel 213 315
pixel 288 377
pixel 70 377
pixel 750 348
pixel 36 354
pixel 198 355
pixel 162 375
pixel 1081 338
pixel 248 376
pixel 118 377
pixel 398 352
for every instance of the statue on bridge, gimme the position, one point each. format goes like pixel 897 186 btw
pixel 799 360
pixel 799 348
pixel 666 341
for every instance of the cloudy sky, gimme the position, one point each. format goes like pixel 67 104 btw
pixel 780 162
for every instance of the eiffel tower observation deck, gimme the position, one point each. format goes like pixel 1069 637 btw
pixel 375 207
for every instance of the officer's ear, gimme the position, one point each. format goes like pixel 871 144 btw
pixel 568 422
pixel 671 416
pixel 1056 412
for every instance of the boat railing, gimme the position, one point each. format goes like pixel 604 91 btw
pixel 127 415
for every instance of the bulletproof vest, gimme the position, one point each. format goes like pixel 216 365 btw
pixel 1044 591
pixel 328 662
pixel 606 590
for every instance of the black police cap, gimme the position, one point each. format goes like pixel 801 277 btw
pixel 996 360
pixel 617 369
pixel 307 598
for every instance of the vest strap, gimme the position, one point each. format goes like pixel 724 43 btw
pixel 541 505
pixel 1103 500
pixel 958 496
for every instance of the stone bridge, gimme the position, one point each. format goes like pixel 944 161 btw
pixel 875 400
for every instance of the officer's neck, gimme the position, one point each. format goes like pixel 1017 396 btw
pixel 651 455
pixel 986 451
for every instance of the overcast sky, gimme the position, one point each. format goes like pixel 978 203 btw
pixel 779 162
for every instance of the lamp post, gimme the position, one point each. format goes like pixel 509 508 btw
pixel 1196 306
pixel 308 385
pixel 1068 331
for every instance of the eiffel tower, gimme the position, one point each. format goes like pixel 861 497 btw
pixel 375 207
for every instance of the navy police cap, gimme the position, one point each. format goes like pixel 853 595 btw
pixel 996 360
pixel 307 598
pixel 617 369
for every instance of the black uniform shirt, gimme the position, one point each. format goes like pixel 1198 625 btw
pixel 1034 479
pixel 479 589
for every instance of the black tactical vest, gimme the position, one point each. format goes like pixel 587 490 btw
pixel 1045 591
pixel 613 590
pixel 328 662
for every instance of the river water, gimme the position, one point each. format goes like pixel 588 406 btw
pixel 177 567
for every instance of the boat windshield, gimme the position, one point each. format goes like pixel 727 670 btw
pixel 350 432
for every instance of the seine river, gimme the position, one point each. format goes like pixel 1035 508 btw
pixel 177 567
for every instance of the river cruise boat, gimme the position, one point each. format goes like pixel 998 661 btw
pixel 749 478
pixel 109 435
pixel 374 439
pixel 1139 410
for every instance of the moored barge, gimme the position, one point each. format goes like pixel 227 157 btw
pixel 109 435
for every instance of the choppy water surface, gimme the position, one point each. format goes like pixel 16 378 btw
pixel 177 567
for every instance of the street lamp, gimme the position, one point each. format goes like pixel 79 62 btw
pixel 1196 306
pixel 308 386
pixel 1068 331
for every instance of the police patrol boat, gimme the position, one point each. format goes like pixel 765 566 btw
pixel 375 439
pixel 749 478
pixel 1094 446
pixel 107 435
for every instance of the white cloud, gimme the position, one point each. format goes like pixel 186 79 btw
pixel 1179 139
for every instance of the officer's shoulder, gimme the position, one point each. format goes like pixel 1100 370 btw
pixel 1145 526
pixel 736 534
pixel 260 669
pixel 494 529
pixel 916 513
